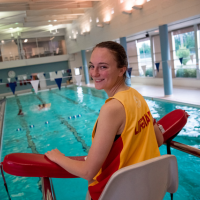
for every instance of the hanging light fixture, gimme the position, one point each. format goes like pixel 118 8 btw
pixel 137 7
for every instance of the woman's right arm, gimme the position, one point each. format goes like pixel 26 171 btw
pixel 110 119
pixel 159 135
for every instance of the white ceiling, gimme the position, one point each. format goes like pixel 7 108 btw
pixel 20 16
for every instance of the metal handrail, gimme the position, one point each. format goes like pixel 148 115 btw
pixel 185 148
pixel 47 189
pixel 2 108
pixel 47 185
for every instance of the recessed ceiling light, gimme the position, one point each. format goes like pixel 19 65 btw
pixel 26 40
pixel 55 20
pixel 49 21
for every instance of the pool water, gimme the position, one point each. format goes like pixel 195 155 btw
pixel 72 136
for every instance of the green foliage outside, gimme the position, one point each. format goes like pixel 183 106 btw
pixel 189 73
pixel 145 51
pixel 149 72
pixel 184 53
pixel 185 39
pixel 185 45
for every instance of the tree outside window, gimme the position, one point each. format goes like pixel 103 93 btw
pixel 184 48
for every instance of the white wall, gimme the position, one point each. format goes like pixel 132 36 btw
pixel 75 60
pixel 153 14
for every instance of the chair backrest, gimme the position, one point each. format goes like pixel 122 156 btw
pixel 148 180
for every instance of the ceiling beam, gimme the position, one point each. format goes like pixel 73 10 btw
pixel 50 17
pixel 8 8
pixel 44 23
pixel 55 12
pixel 59 5
pixel 12 21
pixel 36 1
pixel 44 6
pixel 58 0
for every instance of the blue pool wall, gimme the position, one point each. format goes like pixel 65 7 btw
pixel 28 70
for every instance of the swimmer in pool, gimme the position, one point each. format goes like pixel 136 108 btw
pixel 41 106
pixel 124 133
pixel 20 112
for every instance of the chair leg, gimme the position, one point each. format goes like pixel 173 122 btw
pixel 88 197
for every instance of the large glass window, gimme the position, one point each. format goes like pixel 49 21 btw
pixel 144 57
pixel 44 46
pixel 157 56
pixel 184 49
pixel 132 57
pixel 198 43
pixel 58 45
pixel 9 50
pixel 30 49
pixel 50 46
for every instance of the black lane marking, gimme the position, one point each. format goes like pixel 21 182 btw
pixel 71 128
pixel 76 134
pixel 31 144
pixel 93 92
pixel 77 103
pixel 40 99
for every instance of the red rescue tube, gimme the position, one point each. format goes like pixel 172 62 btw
pixel 35 165
pixel 172 123
pixel 38 165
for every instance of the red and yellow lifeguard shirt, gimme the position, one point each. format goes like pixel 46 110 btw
pixel 137 142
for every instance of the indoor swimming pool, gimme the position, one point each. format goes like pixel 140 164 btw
pixel 67 125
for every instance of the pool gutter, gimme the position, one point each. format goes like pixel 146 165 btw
pixel 2 109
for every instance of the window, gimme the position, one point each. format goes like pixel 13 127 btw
pixel 77 71
pixel 57 45
pixel 44 46
pixel 183 41
pixel 132 57
pixel 30 49
pixel 198 43
pixel 157 56
pixel 144 57
pixel 9 50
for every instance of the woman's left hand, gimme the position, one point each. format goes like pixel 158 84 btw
pixel 54 155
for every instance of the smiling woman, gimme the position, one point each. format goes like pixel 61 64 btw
pixel 115 141
pixel 108 66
